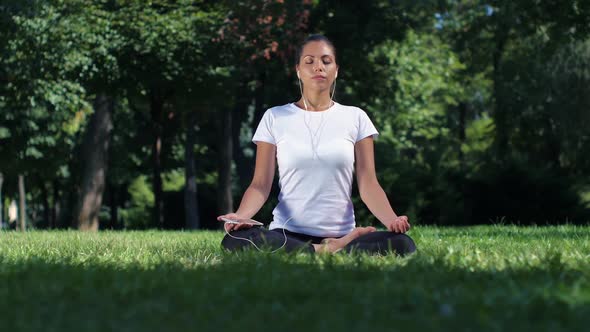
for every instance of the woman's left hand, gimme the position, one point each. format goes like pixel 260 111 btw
pixel 398 225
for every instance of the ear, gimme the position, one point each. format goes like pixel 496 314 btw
pixel 297 70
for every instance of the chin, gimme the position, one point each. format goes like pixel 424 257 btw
pixel 321 83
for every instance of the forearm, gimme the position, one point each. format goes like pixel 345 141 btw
pixel 253 199
pixel 376 201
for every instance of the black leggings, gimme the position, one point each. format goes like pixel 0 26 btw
pixel 378 242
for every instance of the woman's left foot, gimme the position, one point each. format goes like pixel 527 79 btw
pixel 334 245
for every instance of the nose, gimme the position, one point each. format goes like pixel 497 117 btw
pixel 319 66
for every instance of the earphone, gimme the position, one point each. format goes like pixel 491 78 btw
pixel 315 151
pixel 301 88
pixel 254 244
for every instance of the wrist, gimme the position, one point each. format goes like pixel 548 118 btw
pixel 390 221
pixel 241 215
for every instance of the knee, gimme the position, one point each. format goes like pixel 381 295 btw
pixel 240 239
pixel 384 243
pixel 398 244
pixel 405 245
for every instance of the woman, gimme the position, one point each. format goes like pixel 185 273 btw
pixel 316 143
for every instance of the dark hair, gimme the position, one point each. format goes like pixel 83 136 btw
pixel 314 38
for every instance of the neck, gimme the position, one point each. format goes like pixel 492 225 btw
pixel 316 100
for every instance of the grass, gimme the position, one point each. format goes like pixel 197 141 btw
pixel 485 278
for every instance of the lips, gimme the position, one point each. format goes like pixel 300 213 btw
pixel 318 77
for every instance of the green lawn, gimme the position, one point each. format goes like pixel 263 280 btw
pixel 495 278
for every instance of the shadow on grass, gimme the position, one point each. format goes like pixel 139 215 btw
pixel 249 292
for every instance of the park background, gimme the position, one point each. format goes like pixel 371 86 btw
pixel 109 108
pixel 139 114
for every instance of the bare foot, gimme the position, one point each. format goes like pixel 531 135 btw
pixel 334 245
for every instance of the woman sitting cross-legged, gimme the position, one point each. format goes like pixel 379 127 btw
pixel 317 143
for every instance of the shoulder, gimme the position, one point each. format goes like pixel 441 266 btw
pixel 279 110
pixel 354 111
pixel 350 108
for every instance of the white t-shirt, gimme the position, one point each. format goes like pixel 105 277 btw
pixel 315 156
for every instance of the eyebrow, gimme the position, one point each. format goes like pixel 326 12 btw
pixel 325 55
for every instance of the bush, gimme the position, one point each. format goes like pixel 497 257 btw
pixel 137 215
pixel 522 192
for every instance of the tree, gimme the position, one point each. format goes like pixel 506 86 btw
pixel 37 92
pixel 257 43
pixel 414 107
pixel 162 56
pixel 483 31
pixel 1 201
pixel 22 211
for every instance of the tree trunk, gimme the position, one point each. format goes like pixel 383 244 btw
pixel 121 198
pixel 156 108
pixel 67 203
pixel 243 163
pixel 259 110
pixel 225 202
pixel 462 134
pixel 113 223
pixel 22 215
pixel 500 114
pixel 45 198
pixel 258 103
pixel 55 206
pixel 465 197
pixel 94 164
pixel 191 205
pixel 552 144
pixel 1 202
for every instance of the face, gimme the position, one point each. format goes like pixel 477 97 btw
pixel 317 66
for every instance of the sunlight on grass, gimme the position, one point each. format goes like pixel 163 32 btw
pixel 484 278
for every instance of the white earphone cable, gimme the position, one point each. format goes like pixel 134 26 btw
pixel 314 142
pixel 254 244
pixel 315 137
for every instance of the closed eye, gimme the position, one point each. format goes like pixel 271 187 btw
pixel 326 59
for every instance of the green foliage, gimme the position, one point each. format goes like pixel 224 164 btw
pixel 173 180
pixel 138 214
pixel 585 197
pixel 419 78
pixel 548 94
pixel 48 79
pixel 164 44
pixel 518 193
pixel 414 108
pixel 479 138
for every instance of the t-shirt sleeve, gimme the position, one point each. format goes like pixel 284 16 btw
pixel 365 127
pixel 264 132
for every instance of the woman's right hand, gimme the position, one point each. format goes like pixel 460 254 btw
pixel 399 224
pixel 233 227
